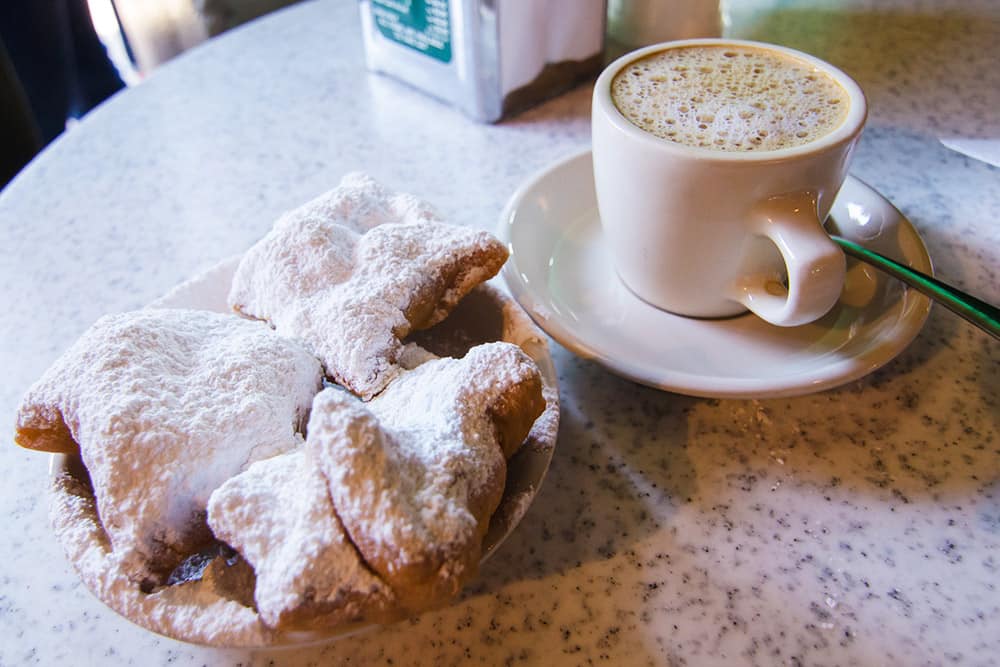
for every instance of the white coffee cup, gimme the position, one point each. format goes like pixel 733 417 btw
pixel 705 232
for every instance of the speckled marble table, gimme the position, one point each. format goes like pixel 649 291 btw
pixel 856 526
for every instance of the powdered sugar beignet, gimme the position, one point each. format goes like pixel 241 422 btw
pixel 415 473
pixel 279 516
pixel 165 405
pixel 357 269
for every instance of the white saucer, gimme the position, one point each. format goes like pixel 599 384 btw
pixel 561 272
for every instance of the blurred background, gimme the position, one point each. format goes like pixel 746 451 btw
pixel 61 58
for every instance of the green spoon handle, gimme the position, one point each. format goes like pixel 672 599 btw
pixel 976 311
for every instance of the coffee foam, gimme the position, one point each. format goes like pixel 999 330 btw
pixel 729 98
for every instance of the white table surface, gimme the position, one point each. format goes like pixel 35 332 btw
pixel 856 526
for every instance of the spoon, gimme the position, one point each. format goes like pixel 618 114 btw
pixel 976 311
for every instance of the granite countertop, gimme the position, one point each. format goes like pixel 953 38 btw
pixel 859 525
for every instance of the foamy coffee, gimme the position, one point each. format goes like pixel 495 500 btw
pixel 730 98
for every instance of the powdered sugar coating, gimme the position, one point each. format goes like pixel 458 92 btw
pixel 165 406
pixel 279 516
pixel 355 270
pixel 416 473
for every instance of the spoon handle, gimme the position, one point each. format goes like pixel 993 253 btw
pixel 976 311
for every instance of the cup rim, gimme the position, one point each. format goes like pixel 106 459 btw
pixel 849 129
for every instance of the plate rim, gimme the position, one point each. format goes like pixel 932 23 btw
pixel 913 315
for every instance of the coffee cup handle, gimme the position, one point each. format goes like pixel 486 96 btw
pixel 815 266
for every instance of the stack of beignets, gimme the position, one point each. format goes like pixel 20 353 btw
pixel 190 423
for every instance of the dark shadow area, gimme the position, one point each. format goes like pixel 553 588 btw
pixel 19 133
pixel 476 319
pixel 54 66
pixel 61 71
pixel 570 107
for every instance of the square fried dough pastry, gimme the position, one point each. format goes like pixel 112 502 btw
pixel 278 515
pixel 163 407
pixel 416 473
pixel 357 269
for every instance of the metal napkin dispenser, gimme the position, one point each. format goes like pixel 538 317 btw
pixel 490 58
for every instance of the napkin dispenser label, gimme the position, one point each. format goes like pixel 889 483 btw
pixel 422 25
pixel 490 58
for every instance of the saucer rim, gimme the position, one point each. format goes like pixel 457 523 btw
pixel 913 313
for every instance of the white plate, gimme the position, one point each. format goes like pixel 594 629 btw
pixel 561 272
pixel 486 314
